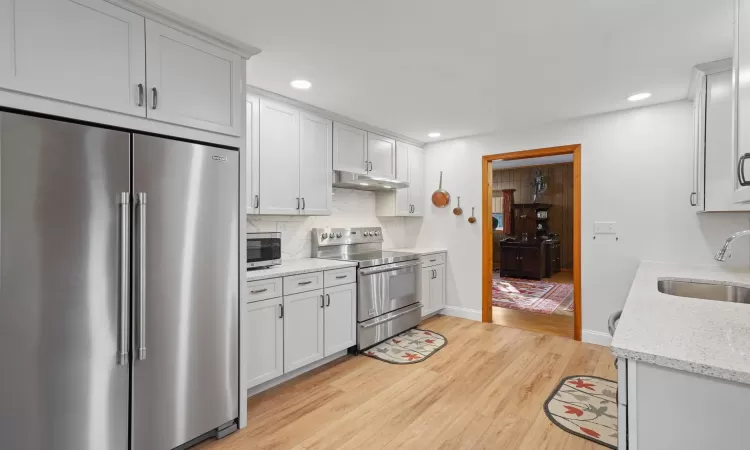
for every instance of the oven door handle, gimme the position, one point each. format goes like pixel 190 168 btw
pixel 389 267
pixel 388 319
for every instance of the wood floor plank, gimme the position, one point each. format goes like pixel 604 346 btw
pixel 484 390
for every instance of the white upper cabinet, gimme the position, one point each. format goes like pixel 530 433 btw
pixel 340 318
pixel 416 180
pixel 349 149
pixel 741 109
pixel 191 82
pixel 402 161
pixel 381 156
pixel 84 51
pixel 252 158
pixel 315 164
pixel 279 159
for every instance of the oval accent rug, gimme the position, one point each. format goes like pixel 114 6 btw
pixel 410 347
pixel 587 407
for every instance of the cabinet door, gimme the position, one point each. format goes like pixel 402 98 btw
pixel 381 154
pixel 303 329
pixel 402 161
pixel 315 164
pixel 699 114
pixel 252 155
pixel 279 159
pixel 88 52
pixel 529 259
pixel 741 111
pixel 340 318
pixel 426 281
pixel 264 345
pixel 437 287
pixel 416 181
pixel 191 82
pixel 509 258
pixel 349 149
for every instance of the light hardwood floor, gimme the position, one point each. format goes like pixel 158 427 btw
pixel 484 390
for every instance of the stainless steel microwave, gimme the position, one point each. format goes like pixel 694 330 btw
pixel 263 250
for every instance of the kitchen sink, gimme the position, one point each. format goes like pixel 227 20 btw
pixel 705 291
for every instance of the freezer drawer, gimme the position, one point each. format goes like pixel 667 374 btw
pixel 381 328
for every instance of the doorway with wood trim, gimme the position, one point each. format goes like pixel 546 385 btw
pixel 532 293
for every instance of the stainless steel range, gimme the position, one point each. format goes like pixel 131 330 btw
pixel 387 282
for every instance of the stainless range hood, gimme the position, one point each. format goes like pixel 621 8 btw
pixel 365 182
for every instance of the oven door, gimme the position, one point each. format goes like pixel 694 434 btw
pixel 386 288
pixel 263 249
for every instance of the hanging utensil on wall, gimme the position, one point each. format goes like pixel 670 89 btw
pixel 457 210
pixel 441 198
pixel 472 219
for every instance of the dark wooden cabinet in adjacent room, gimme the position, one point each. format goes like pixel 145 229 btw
pixel 523 259
pixel 553 257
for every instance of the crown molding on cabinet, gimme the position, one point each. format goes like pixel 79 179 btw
pixel 180 23
pixel 331 115
pixel 701 70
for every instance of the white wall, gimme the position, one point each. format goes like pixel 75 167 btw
pixel 351 208
pixel 636 169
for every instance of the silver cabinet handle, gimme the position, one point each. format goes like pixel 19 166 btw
pixel 302 283
pixel 140 94
pixel 341 277
pixel 370 169
pixel 433 260
pixel 259 291
pixel 257 201
pixel 281 314
pixel 434 274
pixel 329 299
pixel 123 279
pixel 298 203
pixel 693 195
pixel 322 301
pixel 367 166
pixel 154 97
pixel 141 276
pixel 303 202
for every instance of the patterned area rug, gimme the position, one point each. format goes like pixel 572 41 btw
pixel 409 347
pixel 544 297
pixel 587 407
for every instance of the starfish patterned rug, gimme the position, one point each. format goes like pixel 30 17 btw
pixel 410 347
pixel 587 407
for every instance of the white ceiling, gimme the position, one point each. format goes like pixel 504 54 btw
pixel 471 66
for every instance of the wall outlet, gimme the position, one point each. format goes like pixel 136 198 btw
pixel 604 227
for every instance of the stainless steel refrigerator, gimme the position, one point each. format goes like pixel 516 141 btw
pixel 119 261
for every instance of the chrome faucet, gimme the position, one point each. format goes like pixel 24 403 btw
pixel 722 254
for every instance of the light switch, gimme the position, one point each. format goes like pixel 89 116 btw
pixel 604 227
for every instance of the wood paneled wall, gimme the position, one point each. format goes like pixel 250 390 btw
pixel 559 194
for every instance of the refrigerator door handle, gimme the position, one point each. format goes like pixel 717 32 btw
pixel 123 281
pixel 141 276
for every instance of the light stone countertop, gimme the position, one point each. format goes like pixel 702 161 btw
pixel 297 266
pixel 419 251
pixel 706 337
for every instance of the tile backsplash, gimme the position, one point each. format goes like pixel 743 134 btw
pixel 351 208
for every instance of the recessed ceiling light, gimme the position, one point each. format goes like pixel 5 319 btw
pixel 433 135
pixel 364 184
pixel 301 84
pixel 639 97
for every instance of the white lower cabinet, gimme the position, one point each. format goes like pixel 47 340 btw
pixel 265 341
pixel 303 329
pixel 665 408
pixel 340 321
pixel 433 283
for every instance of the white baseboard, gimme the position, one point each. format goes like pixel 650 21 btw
pixel 464 313
pixel 596 337
pixel 295 373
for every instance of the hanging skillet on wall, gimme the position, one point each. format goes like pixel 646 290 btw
pixel 441 198
pixel 457 210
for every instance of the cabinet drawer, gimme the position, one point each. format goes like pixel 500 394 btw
pixel 303 283
pixel 340 276
pixel 263 289
pixel 433 259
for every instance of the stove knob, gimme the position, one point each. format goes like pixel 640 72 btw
pixel 338 235
pixel 377 233
pixel 367 233
pixel 324 235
